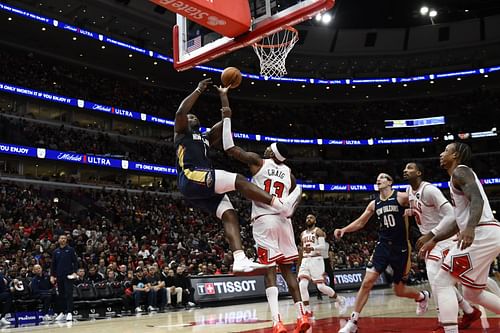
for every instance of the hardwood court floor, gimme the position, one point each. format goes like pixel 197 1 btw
pixel 384 313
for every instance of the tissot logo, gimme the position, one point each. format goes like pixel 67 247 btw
pixel 228 287
pixel 348 278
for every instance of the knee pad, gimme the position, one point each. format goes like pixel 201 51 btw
pixel 224 181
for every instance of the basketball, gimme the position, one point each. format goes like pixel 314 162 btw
pixel 231 77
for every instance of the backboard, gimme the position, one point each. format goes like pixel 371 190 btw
pixel 195 44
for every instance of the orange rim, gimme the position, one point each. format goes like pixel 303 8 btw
pixel 272 46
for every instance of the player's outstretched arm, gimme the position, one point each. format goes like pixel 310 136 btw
pixel 181 122
pixel 359 223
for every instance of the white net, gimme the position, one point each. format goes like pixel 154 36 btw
pixel 272 51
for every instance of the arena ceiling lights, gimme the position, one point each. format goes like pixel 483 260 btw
pixel 153 54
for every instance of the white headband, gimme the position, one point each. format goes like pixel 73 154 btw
pixel 274 148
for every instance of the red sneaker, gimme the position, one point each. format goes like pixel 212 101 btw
pixel 303 325
pixel 279 327
pixel 468 319
pixel 438 329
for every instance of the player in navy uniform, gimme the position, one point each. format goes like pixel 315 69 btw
pixel 203 186
pixel 393 248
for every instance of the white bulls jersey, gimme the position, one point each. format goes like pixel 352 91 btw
pixel 425 203
pixel 309 239
pixel 276 180
pixel 462 204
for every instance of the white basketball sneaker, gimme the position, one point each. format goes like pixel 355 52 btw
pixel 245 265
pixel 290 203
pixel 423 305
pixel 61 317
pixel 350 327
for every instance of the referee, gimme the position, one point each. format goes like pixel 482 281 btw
pixel 64 266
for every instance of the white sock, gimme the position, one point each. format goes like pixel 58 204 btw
pixel 276 203
pixel 239 255
pixel 272 299
pixel 307 308
pixel 421 296
pixel 463 304
pixel 355 316
pixel 301 309
pixel 451 329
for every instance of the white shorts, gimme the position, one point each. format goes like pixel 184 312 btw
pixel 275 239
pixel 312 268
pixel 471 266
pixel 440 251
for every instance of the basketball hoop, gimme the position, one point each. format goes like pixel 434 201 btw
pixel 272 51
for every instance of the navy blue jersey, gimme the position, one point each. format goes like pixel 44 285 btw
pixel 393 226
pixel 192 148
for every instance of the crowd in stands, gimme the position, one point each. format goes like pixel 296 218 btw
pixel 464 112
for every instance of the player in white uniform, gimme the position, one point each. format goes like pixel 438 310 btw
pixel 432 211
pixel 273 233
pixel 312 265
pixel 478 242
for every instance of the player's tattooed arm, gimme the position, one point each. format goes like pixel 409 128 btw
pixel 464 179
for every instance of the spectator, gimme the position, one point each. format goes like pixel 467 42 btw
pixel 5 299
pixel 94 276
pixel 122 273
pixel 80 278
pixel 41 289
pixel 157 287
pixel 64 266
pixel 141 290
pixel 174 287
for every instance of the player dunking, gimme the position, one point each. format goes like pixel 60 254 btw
pixel 204 187
pixel 432 212
pixel 273 233
pixel 312 265
pixel 478 242
pixel 393 248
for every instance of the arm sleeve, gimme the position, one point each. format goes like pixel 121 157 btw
pixel 435 197
pixel 448 219
pixel 227 135
pixel 321 244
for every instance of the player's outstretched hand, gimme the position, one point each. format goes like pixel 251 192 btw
pixel 203 84
pixel 423 239
pixel 408 212
pixel 338 233
pixel 426 248
pixel 222 90
pixel 465 238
